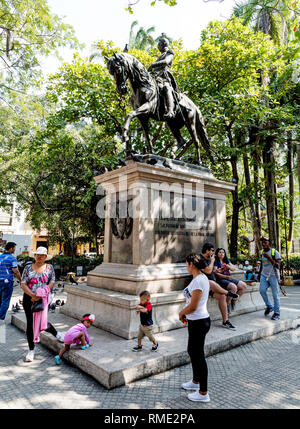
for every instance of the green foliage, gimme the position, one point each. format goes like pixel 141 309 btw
pixel 65 263
pixel 288 267
pixel 50 152
pixel 28 31
pixel 142 38
pixel 85 91
pixel 152 3
pixel 292 265
pixel 278 18
pixel 24 258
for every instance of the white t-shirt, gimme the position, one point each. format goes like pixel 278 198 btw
pixel 267 267
pixel 200 282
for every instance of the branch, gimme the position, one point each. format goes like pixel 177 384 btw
pixel 157 134
pixel 31 203
pixel 12 89
pixel 163 152
pixel 44 206
pixel 39 199
pixel 185 148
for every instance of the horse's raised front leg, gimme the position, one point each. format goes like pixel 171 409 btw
pixel 125 136
pixel 142 110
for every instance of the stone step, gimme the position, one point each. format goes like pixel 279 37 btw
pixel 115 311
pixel 112 363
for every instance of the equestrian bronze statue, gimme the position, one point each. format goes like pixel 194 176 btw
pixel 156 95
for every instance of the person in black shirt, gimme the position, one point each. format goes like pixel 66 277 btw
pixel 216 291
pixel 146 326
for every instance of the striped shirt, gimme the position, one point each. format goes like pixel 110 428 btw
pixel 7 262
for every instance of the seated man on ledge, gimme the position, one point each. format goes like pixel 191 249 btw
pixel 216 291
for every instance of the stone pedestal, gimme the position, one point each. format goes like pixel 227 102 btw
pixel 171 209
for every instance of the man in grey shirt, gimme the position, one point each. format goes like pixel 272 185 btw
pixel 269 277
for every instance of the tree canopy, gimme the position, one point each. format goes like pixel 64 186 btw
pixel 52 145
pixel 28 31
pixel 131 3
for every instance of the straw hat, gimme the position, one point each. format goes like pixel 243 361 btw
pixel 42 251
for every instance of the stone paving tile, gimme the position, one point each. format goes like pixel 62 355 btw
pixel 262 374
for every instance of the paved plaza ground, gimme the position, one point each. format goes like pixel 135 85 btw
pixel 262 374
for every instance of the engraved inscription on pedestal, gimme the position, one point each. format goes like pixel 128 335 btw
pixel 175 238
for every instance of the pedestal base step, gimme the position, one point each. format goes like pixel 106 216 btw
pixel 112 362
pixel 115 311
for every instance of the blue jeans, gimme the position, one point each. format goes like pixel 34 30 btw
pixel 6 290
pixel 264 285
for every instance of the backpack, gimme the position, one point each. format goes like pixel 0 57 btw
pixel 272 252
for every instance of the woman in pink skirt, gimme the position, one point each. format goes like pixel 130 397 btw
pixel 77 335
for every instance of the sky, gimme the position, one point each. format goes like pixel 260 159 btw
pixel 107 19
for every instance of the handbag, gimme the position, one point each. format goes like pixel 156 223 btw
pixel 37 306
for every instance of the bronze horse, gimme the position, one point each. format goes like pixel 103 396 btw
pixel 148 103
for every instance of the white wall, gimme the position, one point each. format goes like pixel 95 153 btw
pixel 21 241
pixel 19 232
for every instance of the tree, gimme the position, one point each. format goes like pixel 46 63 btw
pixel 51 164
pixel 277 18
pixel 51 175
pixel 273 17
pixel 223 78
pixel 28 31
pixel 153 2
pixel 141 39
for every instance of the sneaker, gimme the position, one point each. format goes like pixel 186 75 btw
pixel 197 397
pixel 85 347
pixel 190 385
pixel 57 360
pixel 228 325
pixel 275 316
pixel 137 348
pixel 155 347
pixel 29 356
pixel 268 310
pixel 60 336
pixel 232 295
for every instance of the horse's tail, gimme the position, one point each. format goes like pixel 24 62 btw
pixel 202 134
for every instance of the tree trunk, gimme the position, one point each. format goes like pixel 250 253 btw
pixel 278 241
pixel 233 247
pixel 257 161
pixel 236 205
pixel 68 247
pixel 291 188
pixel 298 164
pixel 269 161
pixel 255 225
